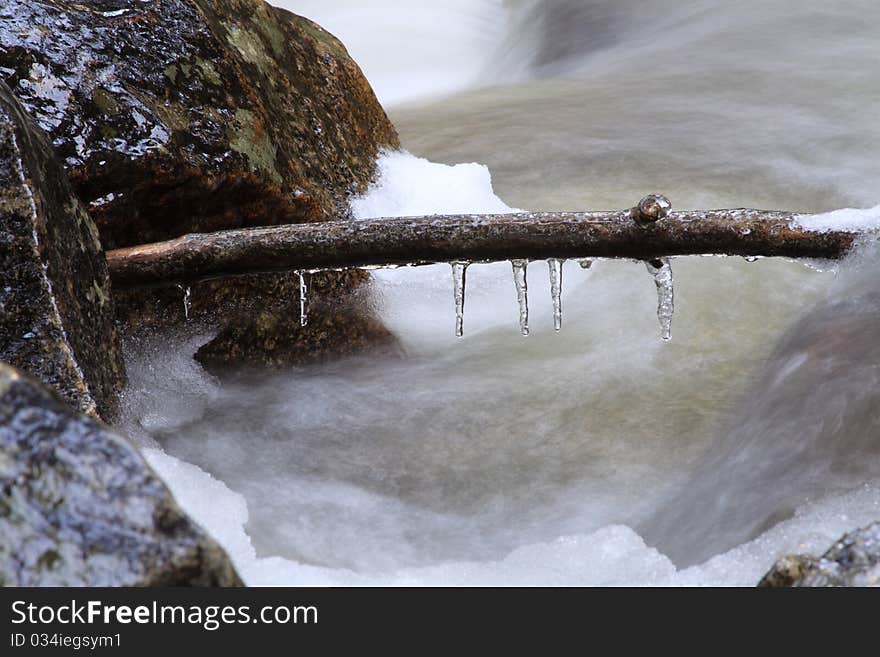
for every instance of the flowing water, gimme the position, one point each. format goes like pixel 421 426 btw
pixel 599 453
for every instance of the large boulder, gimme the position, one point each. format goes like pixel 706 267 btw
pixel 853 561
pixel 56 316
pixel 177 116
pixel 80 507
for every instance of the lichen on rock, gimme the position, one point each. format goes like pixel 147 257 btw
pixel 80 507
pixel 180 116
pixel 56 315
pixel 854 560
pixel 134 100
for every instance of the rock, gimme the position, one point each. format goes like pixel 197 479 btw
pixel 56 316
pixel 788 570
pixel 80 507
pixel 198 115
pixel 272 337
pixel 179 116
pixel 853 561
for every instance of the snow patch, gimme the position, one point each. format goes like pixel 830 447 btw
pixel 848 219
pixel 407 186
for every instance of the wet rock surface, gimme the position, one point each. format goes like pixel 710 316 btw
pixel 853 561
pixel 179 116
pixel 56 315
pixel 80 507
pixel 339 324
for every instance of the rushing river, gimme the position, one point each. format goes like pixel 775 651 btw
pixel 599 454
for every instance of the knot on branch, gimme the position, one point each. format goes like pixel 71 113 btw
pixel 651 209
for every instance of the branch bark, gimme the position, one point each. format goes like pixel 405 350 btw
pixel 473 238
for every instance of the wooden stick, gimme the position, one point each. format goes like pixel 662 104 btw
pixel 646 232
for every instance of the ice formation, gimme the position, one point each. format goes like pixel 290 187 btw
pixel 459 270
pixel 187 293
pixel 555 265
pixel 522 293
pixel 303 299
pixel 661 270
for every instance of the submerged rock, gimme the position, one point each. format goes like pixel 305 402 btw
pixel 80 507
pixel 853 561
pixel 180 116
pixel 56 316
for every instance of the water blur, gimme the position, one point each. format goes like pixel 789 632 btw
pixel 755 104
pixel 470 448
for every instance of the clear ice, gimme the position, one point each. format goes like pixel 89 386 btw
pixel 661 270
pixel 187 291
pixel 555 265
pixel 303 299
pixel 522 293
pixel 458 281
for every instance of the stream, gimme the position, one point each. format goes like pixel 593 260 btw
pixel 599 453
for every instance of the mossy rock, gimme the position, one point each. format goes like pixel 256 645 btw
pixel 195 115
pixel 56 314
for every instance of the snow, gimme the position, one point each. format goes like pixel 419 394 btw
pixel 848 219
pixel 410 186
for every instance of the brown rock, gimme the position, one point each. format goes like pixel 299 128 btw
pixel 196 115
pixel 338 325
pixel 787 571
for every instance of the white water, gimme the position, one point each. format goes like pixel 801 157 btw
pixel 611 556
pixel 413 49
pixel 553 459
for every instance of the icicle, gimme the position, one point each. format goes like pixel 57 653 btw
pixel 522 293
pixel 555 265
pixel 458 280
pixel 303 299
pixel 585 263
pixel 661 270
pixel 187 291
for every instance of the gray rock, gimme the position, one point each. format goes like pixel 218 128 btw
pixel 80 507
pixel 56 315
pixel 853 561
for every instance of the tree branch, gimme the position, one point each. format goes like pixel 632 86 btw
pixel 648 231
